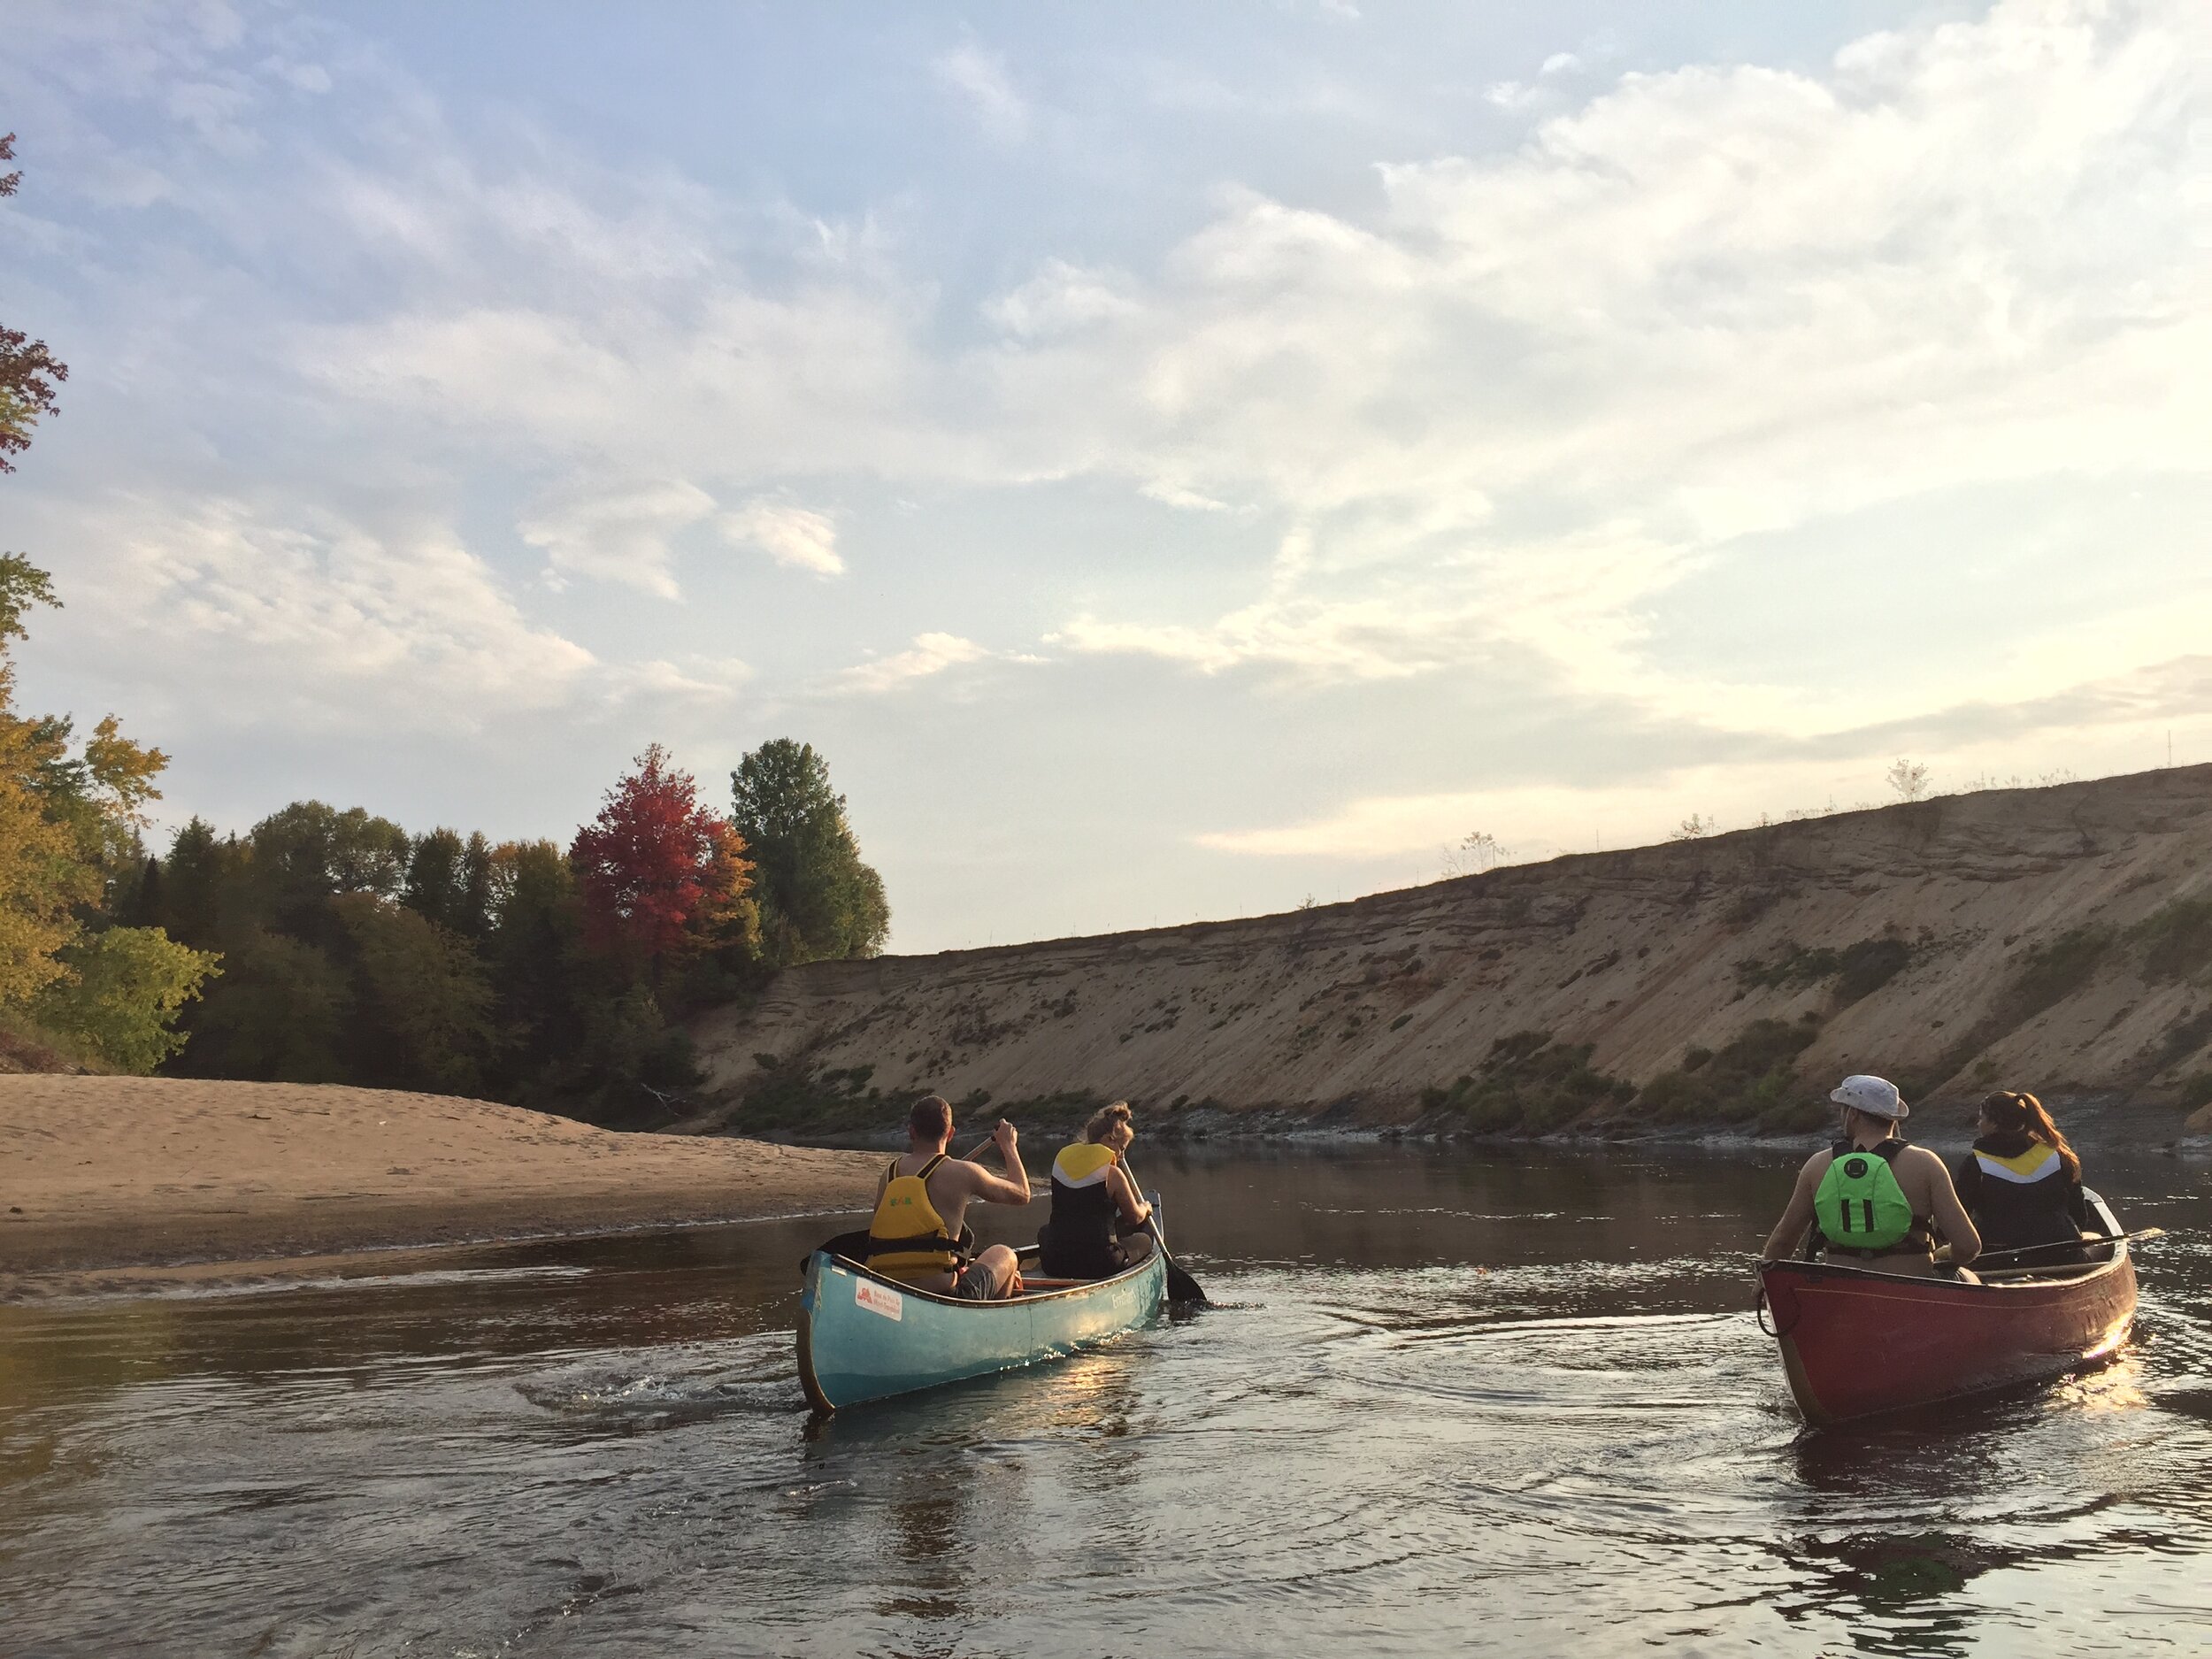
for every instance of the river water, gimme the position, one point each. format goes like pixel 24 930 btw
pixel 1456 1402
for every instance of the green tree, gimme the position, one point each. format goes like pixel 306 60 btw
pixel 44 878
pixel 310 853
pixel 198 884
pixel 816 899
pixel 424 1004
pixel 449 881
pixel 278 1015
pixel 534 950
pixel 120 1004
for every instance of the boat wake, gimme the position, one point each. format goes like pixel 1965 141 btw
pixel 680 1384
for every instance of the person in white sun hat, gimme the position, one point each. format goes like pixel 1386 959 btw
pixel 1874 1200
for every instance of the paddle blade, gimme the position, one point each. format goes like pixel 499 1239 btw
pixel 1181 1287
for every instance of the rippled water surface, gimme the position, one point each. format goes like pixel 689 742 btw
pixel 1455 1404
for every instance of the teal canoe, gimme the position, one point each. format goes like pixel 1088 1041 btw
pixel 862 1337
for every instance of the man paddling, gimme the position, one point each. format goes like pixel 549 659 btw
pixel 1879 1201
pixel 914 1236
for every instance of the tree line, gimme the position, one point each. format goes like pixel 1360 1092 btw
pixel 351 952
pixel 331 946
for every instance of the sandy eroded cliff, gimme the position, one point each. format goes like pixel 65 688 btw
pixel 2058 939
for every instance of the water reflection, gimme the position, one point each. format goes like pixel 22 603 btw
pixel 1504 1404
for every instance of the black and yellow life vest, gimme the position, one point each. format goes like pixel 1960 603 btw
pixel 1859 1206
pixel 906 1237
pixel 1078 1241
pixel 2019 1192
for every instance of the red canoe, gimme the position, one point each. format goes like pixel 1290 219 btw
pixel 1856 1342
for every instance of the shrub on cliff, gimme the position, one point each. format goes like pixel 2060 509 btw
pixel 1529 1082
pixel 2054 972
pixel 1752 1077
pixel 792 1094
pixel 2177 940
pixel 1858 970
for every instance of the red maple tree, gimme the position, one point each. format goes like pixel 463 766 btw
pixel 660 874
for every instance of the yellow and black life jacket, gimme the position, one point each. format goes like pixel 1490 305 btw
pixel 2019 1192
pixel 1078 1241
pixel 906 1237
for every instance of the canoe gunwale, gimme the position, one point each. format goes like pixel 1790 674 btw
pixel 1086 1287
pixel 2069 1278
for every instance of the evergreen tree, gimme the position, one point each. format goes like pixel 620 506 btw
pixel 192 881
pixel 816 899
pixel 433 863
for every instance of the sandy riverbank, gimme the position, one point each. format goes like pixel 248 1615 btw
pixel 110 1182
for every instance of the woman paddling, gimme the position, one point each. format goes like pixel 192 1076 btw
pixel 2022 1182
pixel 1090 1190
pixel 1877 1201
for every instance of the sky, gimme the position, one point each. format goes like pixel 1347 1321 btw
pixel 1172 461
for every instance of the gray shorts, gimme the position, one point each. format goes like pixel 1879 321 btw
pixel 973 1283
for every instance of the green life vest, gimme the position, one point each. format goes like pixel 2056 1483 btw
pixel 1860 1205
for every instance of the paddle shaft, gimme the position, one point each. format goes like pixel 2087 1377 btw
pixel 1180 1286
pixel 2070 1244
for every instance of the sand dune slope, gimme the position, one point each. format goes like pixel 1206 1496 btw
pixel 1648 954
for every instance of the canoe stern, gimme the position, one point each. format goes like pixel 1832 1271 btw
pixel 1855 1343
pixel 863 1338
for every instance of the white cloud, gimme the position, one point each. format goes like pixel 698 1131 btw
pixel 2115 722
pixel 695 679
pixel 1061 299
pixel 790 535
pixel 297 614
pixel 619 532
pixel 1703 303
pixel 930 654
pixel 312 79
pixel 1518 94
pixel 978 79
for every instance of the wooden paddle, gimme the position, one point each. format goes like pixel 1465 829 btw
pixel 1180 1286
pixel 2069 1244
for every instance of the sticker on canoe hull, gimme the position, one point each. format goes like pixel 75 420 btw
pixel 878 1299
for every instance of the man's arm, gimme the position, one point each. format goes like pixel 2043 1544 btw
pixel 1010 1188
pixel 1951 1218
pixel 1799 1216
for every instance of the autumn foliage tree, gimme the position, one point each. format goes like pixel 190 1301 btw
pixel 28 370
pixel 661 877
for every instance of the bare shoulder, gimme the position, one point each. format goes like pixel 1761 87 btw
pixel 1817 1164
pixel 1924 1170
pixel 959 1174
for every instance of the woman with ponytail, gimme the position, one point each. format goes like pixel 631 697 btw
pixel 1092 1195
pixel 2022 1182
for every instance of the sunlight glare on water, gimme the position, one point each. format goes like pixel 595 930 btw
pixel 1452 1402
